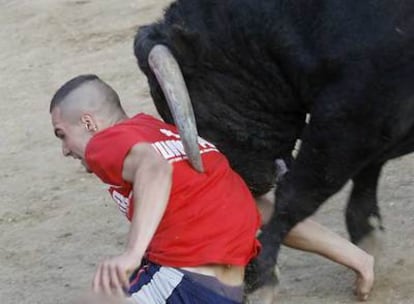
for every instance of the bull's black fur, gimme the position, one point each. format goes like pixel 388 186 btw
pixel 255 68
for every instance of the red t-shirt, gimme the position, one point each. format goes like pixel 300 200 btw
pixel 211 217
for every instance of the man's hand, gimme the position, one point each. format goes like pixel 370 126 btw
pixel 111 277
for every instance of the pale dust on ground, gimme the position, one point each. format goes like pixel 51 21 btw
pixel 57 222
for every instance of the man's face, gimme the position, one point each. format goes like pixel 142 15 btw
pixel 74 135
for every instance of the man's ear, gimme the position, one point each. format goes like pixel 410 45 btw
pixel 89 122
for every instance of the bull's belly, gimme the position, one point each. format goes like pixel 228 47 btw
pixel 403 147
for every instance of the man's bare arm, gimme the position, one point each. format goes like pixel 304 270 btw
pixel 151 176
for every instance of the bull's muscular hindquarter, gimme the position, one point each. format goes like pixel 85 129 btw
pixel 254 69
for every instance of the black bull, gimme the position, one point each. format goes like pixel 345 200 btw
pixel 255 68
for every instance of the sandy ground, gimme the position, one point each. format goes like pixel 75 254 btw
pixel 57 222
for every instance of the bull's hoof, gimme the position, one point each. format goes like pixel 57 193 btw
pixel 360 225
pixel 257 276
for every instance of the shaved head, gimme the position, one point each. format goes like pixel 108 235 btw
pixel 81 107
pixel 87 94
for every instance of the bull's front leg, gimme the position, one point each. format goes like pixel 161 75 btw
pixel 265 203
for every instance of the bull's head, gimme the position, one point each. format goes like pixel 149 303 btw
pixel 171 81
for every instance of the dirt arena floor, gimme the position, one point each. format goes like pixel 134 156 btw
pixel 57 222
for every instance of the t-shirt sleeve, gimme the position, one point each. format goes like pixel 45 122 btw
pixel 106 152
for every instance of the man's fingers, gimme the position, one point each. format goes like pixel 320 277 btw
pixel 113 277
pixel 123 278
pixel 116 284
pixel 96 284
pixel 105 282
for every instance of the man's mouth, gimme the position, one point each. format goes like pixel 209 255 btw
pixel 76 157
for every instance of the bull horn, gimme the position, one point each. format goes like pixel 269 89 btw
pixel 171 80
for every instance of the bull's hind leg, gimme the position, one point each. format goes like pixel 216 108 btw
pixel 362 208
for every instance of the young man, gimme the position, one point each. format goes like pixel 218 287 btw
pixel 191 233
